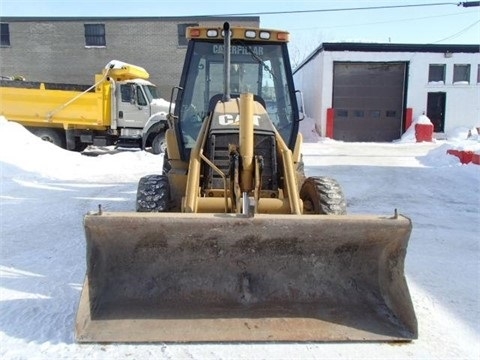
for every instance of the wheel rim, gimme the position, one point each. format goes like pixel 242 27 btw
pixel 159 144
pixel 47 138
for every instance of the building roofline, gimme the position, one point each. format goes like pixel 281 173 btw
pixel 389 47
pixel 12 19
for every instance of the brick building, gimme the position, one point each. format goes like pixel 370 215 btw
pixel 72 50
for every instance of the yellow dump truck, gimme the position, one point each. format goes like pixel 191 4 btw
pixel 121 108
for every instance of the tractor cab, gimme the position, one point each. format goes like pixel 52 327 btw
pixel 259 64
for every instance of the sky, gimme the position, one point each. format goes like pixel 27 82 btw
pixel 426 21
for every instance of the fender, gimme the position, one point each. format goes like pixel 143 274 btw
pixel 157 123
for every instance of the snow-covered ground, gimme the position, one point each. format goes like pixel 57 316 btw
pixel 45 191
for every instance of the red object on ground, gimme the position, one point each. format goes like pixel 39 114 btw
pixel 330 117
pixel 424 132
pixel 408 117
pixel 465 157
pixel 476 159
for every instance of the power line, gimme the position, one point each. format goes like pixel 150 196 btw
pixel 458 33
pixel 381 22
pixel 463 4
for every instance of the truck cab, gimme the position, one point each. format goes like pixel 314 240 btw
pixel 139 114
pixel 133 102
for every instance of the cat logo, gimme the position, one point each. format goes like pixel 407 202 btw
pixel 228 119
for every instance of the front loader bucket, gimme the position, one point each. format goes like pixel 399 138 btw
pixel 175 277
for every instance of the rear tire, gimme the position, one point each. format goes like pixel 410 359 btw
pixel 323 195
pixel 54 136
pixel 153 194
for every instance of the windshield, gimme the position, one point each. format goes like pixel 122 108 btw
pixel 255 68
pixel 151 92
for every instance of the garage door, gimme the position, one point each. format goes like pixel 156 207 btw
pixel 368 99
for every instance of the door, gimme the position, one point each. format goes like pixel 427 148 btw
pixel 436 110
pixel 133 109
pixel 368 98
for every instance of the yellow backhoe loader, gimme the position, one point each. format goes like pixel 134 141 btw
pixel 232 242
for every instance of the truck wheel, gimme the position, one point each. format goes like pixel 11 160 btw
pixel 153 194
pixel 323 195
pixel 53 136
pixel 159 144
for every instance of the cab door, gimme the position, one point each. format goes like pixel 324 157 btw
pixel 133 109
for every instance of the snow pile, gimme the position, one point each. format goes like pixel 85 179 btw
pixel 162 103
pixel 438 157
pixel 409 135
pixel 160 108
pixel 460 138
pixel 308 131
pixel 51 162
pixel 462 143
pixel 465 145
pixel 463 133
pixel 115 64
pixel 423 120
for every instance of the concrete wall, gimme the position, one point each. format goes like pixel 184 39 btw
pixel 315 80
pixel 53 49
pixel 311 81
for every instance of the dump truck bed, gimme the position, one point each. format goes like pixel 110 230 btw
pixel 42 104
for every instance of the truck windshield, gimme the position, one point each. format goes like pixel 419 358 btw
pixel 256 68
pixel 150 92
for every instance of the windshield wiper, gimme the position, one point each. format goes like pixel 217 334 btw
pixel 259 59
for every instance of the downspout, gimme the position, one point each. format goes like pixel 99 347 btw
pixel 113 110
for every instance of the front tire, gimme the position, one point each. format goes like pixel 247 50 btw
pixel 323 195
pixel 159 144
pixel 153 194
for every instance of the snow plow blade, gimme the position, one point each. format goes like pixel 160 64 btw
pixel 175 277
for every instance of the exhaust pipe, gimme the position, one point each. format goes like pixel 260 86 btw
pixel 226 62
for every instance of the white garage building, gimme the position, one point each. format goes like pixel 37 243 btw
pixel 373 91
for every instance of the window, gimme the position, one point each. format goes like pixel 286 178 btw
pixel 182 29
pixel 478 74
pixel 95 35
pixel 461 73
pixel 126 91
pixel 265 76
pixel 132 93
pixel 4 35
pixel 436 73
pixel 140 97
